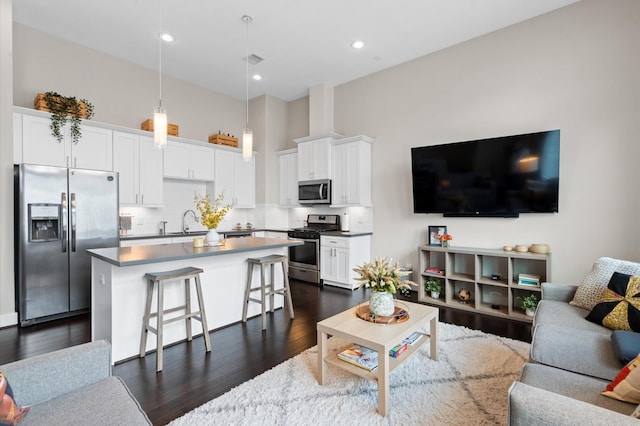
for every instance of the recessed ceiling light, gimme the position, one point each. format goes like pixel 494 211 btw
pixel 358 44
pixel 257 77
pixel 167 37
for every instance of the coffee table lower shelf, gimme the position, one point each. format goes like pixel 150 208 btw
pixel 373 375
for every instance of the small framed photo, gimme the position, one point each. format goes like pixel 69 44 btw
pixel 434 235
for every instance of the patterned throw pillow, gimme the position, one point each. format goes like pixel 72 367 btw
pixel 595 283
pixel 626 385
pixel 10 413
pixel 619 307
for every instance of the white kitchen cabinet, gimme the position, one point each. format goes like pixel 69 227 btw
pixel 288 178
pixel 235 178
pixel 339 256
pixel 187 161
pixel 139 164
pixel 351 172
pixel 92 151
pixel 314 156
pixel 277 234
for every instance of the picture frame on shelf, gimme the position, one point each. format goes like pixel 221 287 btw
pixel 435 231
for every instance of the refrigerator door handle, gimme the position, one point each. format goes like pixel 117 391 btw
pixel 63 203
pixel 73 221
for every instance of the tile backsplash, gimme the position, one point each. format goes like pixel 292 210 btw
pixel 178 198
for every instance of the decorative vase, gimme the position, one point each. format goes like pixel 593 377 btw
pixel 445 243
pixel 381 303
pixel 212 237
pixel 530 312
pixel 435 295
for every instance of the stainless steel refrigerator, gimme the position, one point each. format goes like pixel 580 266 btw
pixel 59 214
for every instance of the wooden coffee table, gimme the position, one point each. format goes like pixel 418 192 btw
pixel 379 337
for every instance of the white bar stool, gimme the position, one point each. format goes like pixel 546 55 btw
pixel 267 289
pixel 159 278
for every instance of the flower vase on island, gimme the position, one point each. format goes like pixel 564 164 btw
pixel 383 280
pixel 211 216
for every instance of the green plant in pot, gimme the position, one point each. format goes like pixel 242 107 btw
pixel 529 303
pixel 434 286
pixel 63 108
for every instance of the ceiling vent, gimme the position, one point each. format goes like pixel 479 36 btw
pixel 253 59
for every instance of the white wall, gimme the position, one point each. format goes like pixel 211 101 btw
pixel 7 297
pixel 576 69
pixel 121 92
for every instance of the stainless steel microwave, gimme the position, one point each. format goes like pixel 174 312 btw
pixel 314 191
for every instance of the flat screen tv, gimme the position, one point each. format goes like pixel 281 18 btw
pixel 496 177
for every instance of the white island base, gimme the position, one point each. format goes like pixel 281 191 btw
pixel 118 296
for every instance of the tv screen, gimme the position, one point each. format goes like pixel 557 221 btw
pixel 501 177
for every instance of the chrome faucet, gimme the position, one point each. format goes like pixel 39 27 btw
pixel 185 227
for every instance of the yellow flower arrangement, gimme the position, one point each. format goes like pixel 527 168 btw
pixel 210 217
pixel 380 275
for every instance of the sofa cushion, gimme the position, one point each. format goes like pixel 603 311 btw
pixel 626 385
pixel 562 313
pixel 576 386
pixel 580 351
pixel 107 402
pixel 626 345
pixel 619 307
pixel 10 413
pixel 595 283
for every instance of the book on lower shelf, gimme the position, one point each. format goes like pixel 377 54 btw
pixel 413 338
pixel 360 356
pixel 527 279
pixel 434 270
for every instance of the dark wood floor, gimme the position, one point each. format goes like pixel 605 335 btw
pixel 239 352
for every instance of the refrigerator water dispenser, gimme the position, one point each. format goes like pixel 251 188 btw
pixel 44 222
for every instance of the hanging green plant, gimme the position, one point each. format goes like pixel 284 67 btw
pixel 63 108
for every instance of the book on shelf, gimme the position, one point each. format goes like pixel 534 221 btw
pixel 360 356
pixel 526 279
pixel 398 350
pixel 413 338
pixel 434 270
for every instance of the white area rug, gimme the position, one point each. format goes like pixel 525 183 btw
pixel 467 385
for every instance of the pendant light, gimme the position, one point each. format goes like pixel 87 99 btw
pixel 247 134
pixel 159 113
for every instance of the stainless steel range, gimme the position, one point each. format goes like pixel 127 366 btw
pixel 304 260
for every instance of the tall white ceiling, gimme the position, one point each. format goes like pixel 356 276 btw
pixel 303 43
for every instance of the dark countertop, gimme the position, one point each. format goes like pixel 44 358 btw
pixel 196 233
pixel 346 233
pixel 140 255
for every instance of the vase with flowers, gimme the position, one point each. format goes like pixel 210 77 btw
pixel 211 216
pixel 384 280
pixel 444 239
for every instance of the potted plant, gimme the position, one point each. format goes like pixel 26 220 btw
pixel 211 216
pixel 63 108
pixel 434 286
pixel 529 303
pixel 383 279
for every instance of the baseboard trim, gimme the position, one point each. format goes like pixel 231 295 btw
pixel 7 320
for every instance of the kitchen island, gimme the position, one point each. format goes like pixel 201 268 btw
pixel 118 287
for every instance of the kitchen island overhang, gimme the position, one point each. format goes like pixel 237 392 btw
pixel 118 287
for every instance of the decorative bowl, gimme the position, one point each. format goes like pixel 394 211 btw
pixel 507 248
pixel 539 248
pixel 522 248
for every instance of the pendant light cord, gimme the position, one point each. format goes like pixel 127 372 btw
pixel 247 19
pixel 160 55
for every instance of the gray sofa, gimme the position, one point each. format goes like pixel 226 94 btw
pixel 73 386
pixel 571 362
